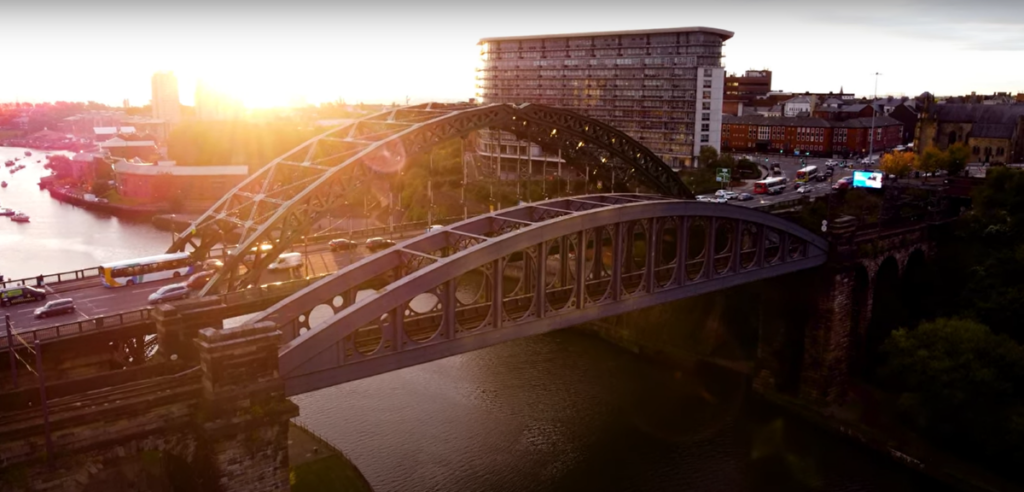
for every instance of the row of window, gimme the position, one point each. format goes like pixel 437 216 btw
pixel 599 93
pixel 604 41
pixel 676 104
pixel 498 84
pixel 592 73
pixel 680 61
pixel 605 52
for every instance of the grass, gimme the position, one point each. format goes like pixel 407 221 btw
pixel 332 473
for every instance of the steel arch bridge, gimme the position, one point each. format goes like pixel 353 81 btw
pixel 280 202
pixel 524 271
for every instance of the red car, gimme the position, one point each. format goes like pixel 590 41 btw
pixel 199 280
pixel 843 184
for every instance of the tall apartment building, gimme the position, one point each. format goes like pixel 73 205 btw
pixel 166 104
pixel 663 87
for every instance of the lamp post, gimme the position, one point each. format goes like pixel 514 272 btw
pixel 871 136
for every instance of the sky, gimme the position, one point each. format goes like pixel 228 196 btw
pixel 271 53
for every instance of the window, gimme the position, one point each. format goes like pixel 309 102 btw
pixel 704 138
pixel 707 83
pixel 707 94
pixel 705 127
pixel 705 116
pixel 707 72
pixel 1000 151
pixel 976 150
pixel 706 106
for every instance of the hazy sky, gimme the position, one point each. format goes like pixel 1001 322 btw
pixel 272 52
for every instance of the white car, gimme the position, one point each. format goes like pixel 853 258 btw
pixel 704 198
pixel 286 261
pixel 803 190
pixel 728 195
pixel 171 292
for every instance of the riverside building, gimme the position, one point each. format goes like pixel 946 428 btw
pixel 663 87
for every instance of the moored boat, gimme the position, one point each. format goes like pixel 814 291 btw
pixel 20 217
pixel 9 163
pixel 6 212
pixel 3 184
pixel 27 153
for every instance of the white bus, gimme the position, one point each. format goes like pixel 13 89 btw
pixel 139 270
pixel 804 175
pixel 770 186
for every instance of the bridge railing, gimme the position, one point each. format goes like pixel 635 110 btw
pixel 89 325
pixel 85 273
pixel 125 318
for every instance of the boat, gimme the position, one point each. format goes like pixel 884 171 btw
pixel 6 212
pixel 3 184
pixel 9 163
pixel 27 153
pixel 20 217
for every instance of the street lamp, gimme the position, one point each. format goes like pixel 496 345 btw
pixel 871 136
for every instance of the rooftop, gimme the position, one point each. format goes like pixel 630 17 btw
pixel 725 35
pixel 149 169
pixel 864 122
pixel 117 142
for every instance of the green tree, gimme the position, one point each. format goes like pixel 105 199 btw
pixel 960 384
pixel 708 156
pixel 957 156
pixel 931 160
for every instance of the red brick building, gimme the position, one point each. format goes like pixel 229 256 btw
pixel 197 186
pixel 817 136
pixel 744 89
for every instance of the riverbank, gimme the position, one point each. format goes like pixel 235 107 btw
pixel 912 452
pixel 317 466
pixel 77 198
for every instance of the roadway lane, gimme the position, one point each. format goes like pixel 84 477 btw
pixel 94 300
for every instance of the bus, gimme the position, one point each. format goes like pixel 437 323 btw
pixel 804 175
pixel 770 186
pixel 148 269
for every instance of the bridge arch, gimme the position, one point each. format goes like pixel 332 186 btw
pixel 280 202
pixel 621 253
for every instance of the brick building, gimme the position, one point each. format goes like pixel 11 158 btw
pixel 198 186
pixel 741 90
pixel 816 136
pixel 994 133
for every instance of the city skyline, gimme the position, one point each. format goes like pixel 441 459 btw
pixel 271 55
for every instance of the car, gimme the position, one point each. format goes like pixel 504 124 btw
pixel 803 190
pixel 199 280
pixel 378 243
pixel 212 264
pixel 171 292
pixel 18 295
pixel 822 177
pixel 287 261
pixel 743 197
pixel 342 244
pixel 434 227
pixel 843 183
pixel 704 198
pixel 55 307
pixel 728 195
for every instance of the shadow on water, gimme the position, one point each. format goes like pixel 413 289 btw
pixel 567 411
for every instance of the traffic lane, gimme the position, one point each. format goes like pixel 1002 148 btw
pixel 89 303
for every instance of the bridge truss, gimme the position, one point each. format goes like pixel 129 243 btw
pixel 279 203
pixel 524 271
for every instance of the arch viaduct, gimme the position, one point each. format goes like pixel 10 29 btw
pixel 216 399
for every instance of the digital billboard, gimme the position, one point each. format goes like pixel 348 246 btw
pixel 867 179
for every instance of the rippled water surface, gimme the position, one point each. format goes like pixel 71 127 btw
pixel 566 411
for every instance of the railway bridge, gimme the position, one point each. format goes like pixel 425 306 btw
pixel 216 398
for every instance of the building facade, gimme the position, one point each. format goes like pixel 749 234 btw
pixel 166 103
pixel 994 133
pixel 663 87
pixel 741 90
pixel 197 186
pixel 809 136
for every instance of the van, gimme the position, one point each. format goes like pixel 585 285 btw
pixel 60 306
pixel 286 261
pixel 18 295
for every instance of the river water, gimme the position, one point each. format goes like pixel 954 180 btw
pixel 563 411
pixel 62 237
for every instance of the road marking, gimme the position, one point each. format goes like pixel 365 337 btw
pixel 89 299
pixel 26 310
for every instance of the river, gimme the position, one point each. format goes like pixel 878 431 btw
pixel 62 237
pixel 563 411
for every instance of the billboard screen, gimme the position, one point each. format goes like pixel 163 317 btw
pixel 867 179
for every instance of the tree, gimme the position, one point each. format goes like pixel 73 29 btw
pixel 708 156
pixel 898 163
pixel 960 384
pixel 931 160
pixel 957 156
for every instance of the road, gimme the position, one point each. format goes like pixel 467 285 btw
pixel 790 165
pixel 93 300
